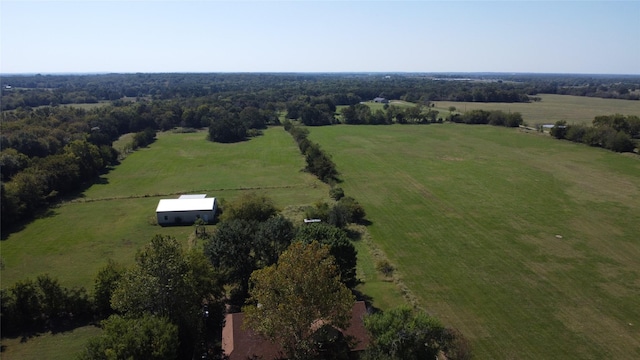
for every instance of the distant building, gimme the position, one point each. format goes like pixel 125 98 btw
pixel 381 100
pixel 241 343
pixel 186 210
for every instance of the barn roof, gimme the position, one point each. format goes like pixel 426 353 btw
pixel 193 196
pixel 165 205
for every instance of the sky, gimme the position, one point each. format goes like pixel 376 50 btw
pixel 587 37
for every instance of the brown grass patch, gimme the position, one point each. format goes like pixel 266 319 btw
pixel 598 327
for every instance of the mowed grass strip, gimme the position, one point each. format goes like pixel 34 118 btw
pixel 527 244
pixel 113 219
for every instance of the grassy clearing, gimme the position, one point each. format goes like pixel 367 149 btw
pixel 115 217
pixel 552 108
pixel 526 244
pixel 60 346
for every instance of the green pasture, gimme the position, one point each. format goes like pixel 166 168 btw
pixel 115 217
pixel 59 346
pixel 552 108
pixel 527 244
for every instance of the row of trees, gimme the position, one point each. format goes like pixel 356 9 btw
pixel 616 132
pixel 491 117
pixel 318 162
pixel 34 187
pixel 31 306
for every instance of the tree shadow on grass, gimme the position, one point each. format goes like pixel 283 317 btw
pixel 53 202
pixel 354 234
pixel 368 300
pixel 17 227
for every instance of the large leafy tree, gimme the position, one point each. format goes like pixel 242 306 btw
pixel 340 247
pixel 146 337
pixel 240 246
pixel 105 283
pixel 227 128
pixel 251 207
pixel 403 334
pixel 289 297
pixel 169 282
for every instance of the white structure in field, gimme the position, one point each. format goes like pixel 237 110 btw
pixel 186 210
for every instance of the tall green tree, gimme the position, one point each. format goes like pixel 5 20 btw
pixel 239 246
pixel 145 337
pixel 105 284
pixel 289 297
pixel 169 282
pixel 251 207
pixel 340 247
pixel 403 334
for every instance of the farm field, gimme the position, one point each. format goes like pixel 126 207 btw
pixel 526 244
pixel 114 218
pixel 552 108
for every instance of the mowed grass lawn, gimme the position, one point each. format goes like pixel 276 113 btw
pixel 528 245
pixel 114 218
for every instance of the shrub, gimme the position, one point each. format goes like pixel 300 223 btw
pixel 336 193
pixel 385 267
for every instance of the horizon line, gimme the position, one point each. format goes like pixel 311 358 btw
pixel 80 73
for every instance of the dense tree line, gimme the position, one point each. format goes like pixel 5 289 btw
pixel 361 114
pixel 491 117
pixel 318 162
pixel 30 306
pixel 50 152
pixel 616 132
pixel 342 89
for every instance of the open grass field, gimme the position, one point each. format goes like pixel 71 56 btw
pixel 470 216
pixel 552 108
pixel 114 218
pixel 528 245
pixel 60 346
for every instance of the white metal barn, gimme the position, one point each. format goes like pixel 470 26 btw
pixel 186 210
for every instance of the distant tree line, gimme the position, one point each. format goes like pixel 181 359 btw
pixel 616 132
pixel 490 117
pixel 343 89
pixel 361 114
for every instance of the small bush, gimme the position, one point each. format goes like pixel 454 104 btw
pixel 385 268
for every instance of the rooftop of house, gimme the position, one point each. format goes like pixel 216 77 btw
pixel 242 343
